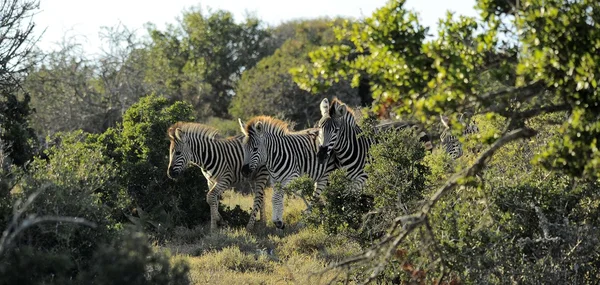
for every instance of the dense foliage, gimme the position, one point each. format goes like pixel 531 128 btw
pixel 269 85
pixel 520 206
pixel 532 58
pixel 201 59
pixel 531 67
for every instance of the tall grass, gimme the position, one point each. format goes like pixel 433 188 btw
pixel 263 256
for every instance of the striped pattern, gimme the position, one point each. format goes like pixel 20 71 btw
pixel 341 135
pixel 450 142
pixel 286 154
pixel 221 161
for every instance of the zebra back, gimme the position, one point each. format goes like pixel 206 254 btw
pixel 450 142
pixel 289 154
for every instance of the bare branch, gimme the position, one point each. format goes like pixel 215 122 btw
pixel 16 42
pixel 541 110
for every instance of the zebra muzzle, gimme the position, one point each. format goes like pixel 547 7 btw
pixel 280 225
pixel 322 154
pixel 172 174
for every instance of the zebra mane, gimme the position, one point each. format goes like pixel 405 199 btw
pixel 270 125
pixel 195 128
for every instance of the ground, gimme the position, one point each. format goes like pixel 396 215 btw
pixel 264 256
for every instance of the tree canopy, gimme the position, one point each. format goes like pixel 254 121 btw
pixel 268 87
pixel 201 59
pixel 516 61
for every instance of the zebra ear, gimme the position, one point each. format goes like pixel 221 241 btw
pixel 243 127
pixel 258 126
pixel 340 110
pixel 324 107
pixel 178 133
pixel 445 120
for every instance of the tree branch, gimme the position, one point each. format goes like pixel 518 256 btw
pixel 404 225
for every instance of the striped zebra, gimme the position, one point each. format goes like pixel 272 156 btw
pixel 450 142
pixel 220 160
pixel 340 134
pixel 286 154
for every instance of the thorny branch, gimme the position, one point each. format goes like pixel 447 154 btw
pixel 402 226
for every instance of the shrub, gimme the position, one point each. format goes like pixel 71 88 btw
pixel 342 209
pixel 77 161
pixel 516 223
pixel 396 182
pixel 131 260
pixel 140 147
pixel 128 259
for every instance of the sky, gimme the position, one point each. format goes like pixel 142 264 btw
pixel 83 18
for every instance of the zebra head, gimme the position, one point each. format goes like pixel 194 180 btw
pixel 329 126
pixel 254 149
pixel 179 152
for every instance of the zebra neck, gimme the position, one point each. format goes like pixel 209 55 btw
pixel 350 137
pixel 352 146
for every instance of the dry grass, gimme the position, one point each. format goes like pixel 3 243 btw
pixel 263 256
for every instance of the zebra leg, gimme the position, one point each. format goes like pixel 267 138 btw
pixel 259 183
pixel 254 210
pixel 212 198
pixel 277 216
pixel 319 186
pixel 262 183
pixel 263 215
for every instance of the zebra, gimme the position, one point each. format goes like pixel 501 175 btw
pixel 340 134
pixel 450 142
pixel 286 154
pixel 220 160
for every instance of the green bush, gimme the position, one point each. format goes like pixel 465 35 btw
pixel 131 260
pixel 396 183
pixel 127 259
pixel 516 223
pixel 77 161
pixel 140 147
pixel 343 208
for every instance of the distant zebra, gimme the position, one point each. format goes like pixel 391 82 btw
pixel 340 134
pixel 220 160
pixel 450 142
pixel 286 154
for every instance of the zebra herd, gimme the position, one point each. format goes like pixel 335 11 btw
pixel 269 152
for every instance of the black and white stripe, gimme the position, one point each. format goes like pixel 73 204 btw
pixel 450 142
pixel 340 135
pixel 286 154
pixel 220 160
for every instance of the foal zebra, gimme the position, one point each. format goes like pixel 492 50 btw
pixel 340 134
pixel 220 160
pixel 450 142
pixel 286 154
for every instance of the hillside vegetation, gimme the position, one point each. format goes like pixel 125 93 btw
pixel 84 151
